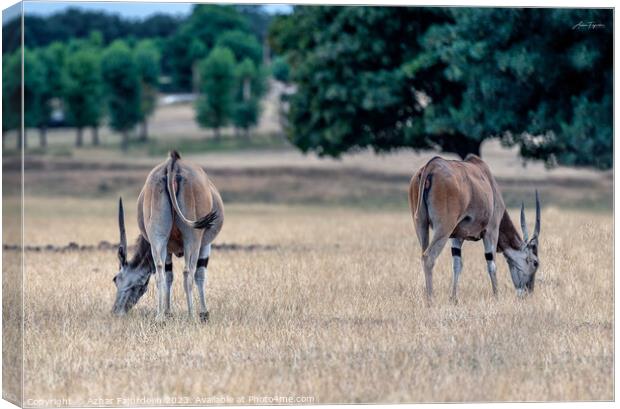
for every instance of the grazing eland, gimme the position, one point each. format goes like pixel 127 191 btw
pixel 460 200
pixel 174 193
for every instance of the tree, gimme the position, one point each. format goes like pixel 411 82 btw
pixel 12 94
pixel 199 33
pixel 280 69
pixel 448 79
pixel 243 45
pixel 53 60
pixel 83 92
pixel 351 91
pixel 540 81
pixel 122 85
pixel 250 88
pixel 148 60
pixel 217 85
pixel 35 88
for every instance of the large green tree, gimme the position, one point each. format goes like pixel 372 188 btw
pixel 346 63
pixel 243 45
pixel 448 79
pixel 217 85
pixel 250 89
pixel 122 84
pixel 53 59
pixel 34 90
pixel 148 61
pixel 533 77
pixel 12 94
pixel 196 37
pixel 84 92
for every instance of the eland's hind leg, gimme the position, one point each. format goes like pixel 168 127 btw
pixel 428 261
pixel 191 259
pixel 201 278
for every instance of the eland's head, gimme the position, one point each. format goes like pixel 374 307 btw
pixel 524 263
pixel 133 276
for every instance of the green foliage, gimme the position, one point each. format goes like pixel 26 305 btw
pixel 11 90
pixel 448 79
pixel 243 45
pixel 526 72
pixel 250 88
pixel 83 91
pixel 72 23
pixel 197 36
pixel 35 88
pixel 148 58
pixel 346 63
pixel 217 85
pixel 122 83
pixel 280 69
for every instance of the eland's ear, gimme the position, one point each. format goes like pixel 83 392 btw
pixel 122 247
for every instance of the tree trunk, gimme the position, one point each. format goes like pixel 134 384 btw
pixel 144 131
pixel 79 140
pixel 43 136
pixel 125 141
pixel 216 131
pixel 95 136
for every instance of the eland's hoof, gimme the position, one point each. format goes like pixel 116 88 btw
pixel 204 316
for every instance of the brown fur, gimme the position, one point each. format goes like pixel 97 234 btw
pixel 459 200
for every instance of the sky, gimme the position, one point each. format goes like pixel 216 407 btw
pixel 127 9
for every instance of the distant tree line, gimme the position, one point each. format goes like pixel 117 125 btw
pixel 215 52
pixel 449 78
pixel 74 23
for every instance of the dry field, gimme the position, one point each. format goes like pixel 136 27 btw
pixel 329 308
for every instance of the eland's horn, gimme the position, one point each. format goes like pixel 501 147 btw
pixel 537 226
pixel 526 235
pixel 122 247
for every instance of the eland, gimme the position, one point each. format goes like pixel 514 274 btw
pixel 460 200
pixel 180 212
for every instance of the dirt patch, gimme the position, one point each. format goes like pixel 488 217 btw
pixel 107 246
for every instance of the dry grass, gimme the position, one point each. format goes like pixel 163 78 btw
pixel 336 313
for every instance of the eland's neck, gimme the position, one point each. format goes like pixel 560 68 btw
pixel 142 259
pixel 509 238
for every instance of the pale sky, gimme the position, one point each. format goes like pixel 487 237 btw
pixel 127 9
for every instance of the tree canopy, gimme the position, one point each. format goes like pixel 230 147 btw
pixel 217 84
pixel 122 84
pixel 447 79
pixel 83 90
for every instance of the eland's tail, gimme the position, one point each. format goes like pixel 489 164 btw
pixel 204 222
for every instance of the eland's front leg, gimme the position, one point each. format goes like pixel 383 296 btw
pixel 158 252
pixel 490 247
pixel 200 278
pixel 169 279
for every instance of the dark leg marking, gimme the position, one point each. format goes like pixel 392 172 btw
pixel 488 256
pixel 168 266
pixel 456 252
pixel 202 262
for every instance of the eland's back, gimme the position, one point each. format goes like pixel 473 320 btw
pixel 460 200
